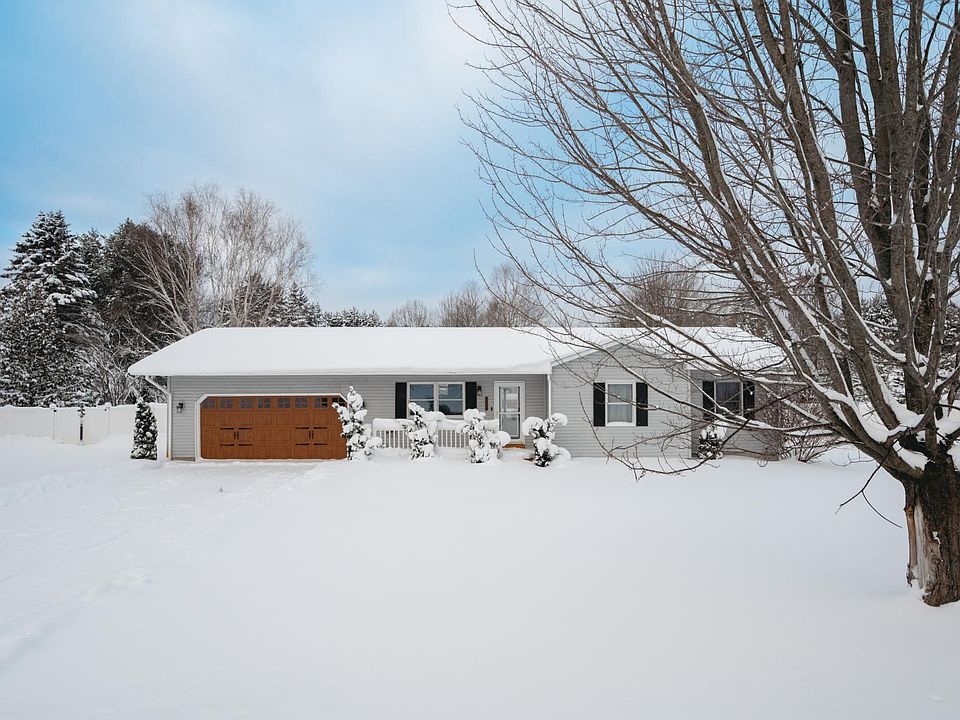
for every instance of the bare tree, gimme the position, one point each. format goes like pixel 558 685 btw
pixel 513 300
pixel 466 307
pixel 667 288
pixel 805 150
pixel 413 313
pixel 218 260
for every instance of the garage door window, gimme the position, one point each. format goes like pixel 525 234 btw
pixel 301 403
pixel 246 403
pixel 283 402
pixel 263 403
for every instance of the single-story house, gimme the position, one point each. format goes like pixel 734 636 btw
pixel 268 393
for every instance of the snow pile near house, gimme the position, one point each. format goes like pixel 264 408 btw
pixel 430 591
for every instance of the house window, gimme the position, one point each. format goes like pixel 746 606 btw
pixel 728 394
pixel 423 395
pixel 448 398
pixel 620 405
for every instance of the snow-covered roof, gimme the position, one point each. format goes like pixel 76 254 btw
pixel 433 350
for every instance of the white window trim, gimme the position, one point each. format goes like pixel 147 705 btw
pixel 618 401
pixel 436 394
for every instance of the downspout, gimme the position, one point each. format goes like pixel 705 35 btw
pixel 165 391
pixel 550 390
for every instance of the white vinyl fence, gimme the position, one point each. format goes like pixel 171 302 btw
pixel 79 426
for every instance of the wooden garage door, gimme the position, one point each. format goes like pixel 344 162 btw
pixel 271 427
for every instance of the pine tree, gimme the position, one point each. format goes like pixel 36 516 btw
pixel 712 439
pixel 35 358
pixel 47 258
pixel 49 321
pixel 144 433
pixel 352 317
pixel 299 312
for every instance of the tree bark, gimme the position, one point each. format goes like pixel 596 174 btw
pixel 932 512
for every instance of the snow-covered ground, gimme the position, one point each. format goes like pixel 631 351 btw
pixel 438 589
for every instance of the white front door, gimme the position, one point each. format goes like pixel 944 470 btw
pixel 508 405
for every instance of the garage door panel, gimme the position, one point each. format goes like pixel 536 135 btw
pixel 270 427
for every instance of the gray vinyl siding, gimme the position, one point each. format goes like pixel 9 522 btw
pixel 743 442
pixel 377 391
pixel 667 432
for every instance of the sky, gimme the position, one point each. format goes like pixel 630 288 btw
pixel 345 114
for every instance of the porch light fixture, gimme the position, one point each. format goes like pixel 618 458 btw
pixel 179 407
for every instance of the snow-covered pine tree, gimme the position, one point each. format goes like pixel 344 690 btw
pixel 543 432
pixel 352 317
pixel 299 312
pixel 48 258
pixel 422 432
pixel 35 359
pixel 144 432
pixel 484 443
pixel 355 431
pixel 711 442
pixel 45 354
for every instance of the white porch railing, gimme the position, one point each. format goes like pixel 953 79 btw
pixel 393 433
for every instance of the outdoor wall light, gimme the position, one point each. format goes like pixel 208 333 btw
pixel 179 407
pixel 479 389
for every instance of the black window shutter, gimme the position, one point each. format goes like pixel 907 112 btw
pixel 599 404
pixel 470 401
pixel 643 418
pixel 749 398
pixel 400 407
pixel 708 395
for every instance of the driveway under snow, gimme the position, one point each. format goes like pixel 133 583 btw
pixel 393 589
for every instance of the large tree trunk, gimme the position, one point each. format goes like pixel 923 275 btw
pixel 933 525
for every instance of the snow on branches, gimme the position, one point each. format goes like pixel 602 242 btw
pixel 543 431
pixel 352 415
pixel 422 431
pixel 712 438
pixel 144 433
pixel 484 442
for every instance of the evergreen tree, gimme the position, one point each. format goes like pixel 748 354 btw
pixel 144 433
pixel 352 317
pixel 49 322
pixel 35 358
pixel 47 258
pixel 300 314
pixel 712 438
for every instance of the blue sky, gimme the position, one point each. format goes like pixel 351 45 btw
pixel 343 113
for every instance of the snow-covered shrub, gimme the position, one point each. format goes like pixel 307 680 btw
pixel 543 431
pixel 484 442
pixel 711 442
pixel 422 431
pixel 355 431
pixel 144 433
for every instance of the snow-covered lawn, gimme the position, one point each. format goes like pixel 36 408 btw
pixel 438 589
